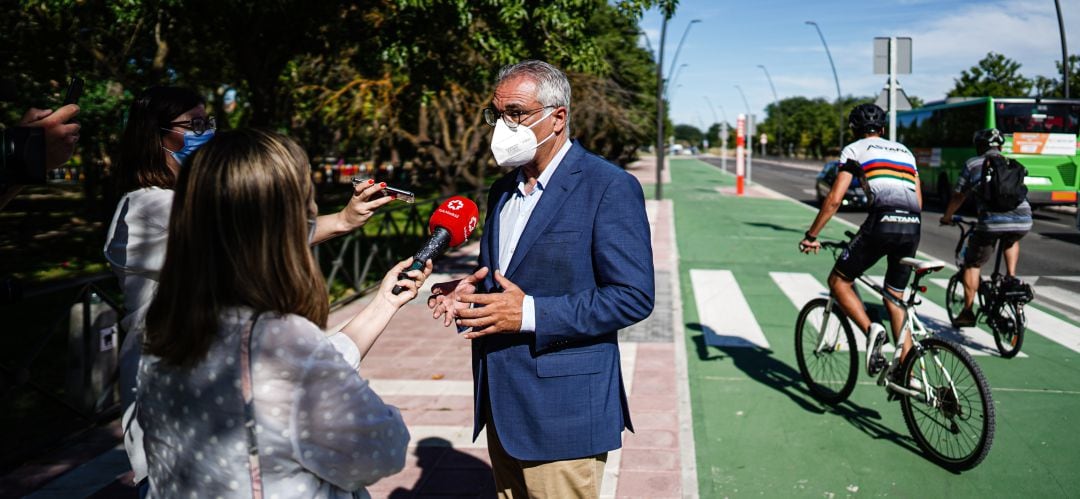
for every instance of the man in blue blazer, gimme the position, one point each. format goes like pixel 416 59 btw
pixel 565 262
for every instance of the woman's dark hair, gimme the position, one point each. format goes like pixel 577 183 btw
pixel 142 158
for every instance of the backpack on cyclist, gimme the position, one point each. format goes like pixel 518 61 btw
pixel 1002 187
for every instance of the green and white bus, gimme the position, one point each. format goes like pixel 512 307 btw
pixel 1039 133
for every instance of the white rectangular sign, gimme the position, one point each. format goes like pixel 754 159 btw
pixel 1053 144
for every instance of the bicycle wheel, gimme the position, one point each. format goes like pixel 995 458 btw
pixel 956 427
pixel 1008 326
pixel 831 371
pixel 954 296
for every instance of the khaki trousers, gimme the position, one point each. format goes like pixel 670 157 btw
pixel 517 479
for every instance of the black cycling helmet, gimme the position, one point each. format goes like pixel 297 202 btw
pixel 866 119
pixel 987 138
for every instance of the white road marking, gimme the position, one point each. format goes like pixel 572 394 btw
pixel 1044 324
pixel 724 314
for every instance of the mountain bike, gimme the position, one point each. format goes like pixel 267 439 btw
pixel 944 396
pixel 1001 303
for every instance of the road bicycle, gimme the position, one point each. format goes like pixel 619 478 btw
pixel 1001 303
pixel 944 396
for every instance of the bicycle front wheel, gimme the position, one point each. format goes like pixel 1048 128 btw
pixel 954 296
pixel 826 352
pixel 1008 327
pixel 955 427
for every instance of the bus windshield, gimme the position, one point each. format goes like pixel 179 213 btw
pixel 1012 117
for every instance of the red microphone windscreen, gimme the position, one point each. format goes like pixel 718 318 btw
pixel 459 215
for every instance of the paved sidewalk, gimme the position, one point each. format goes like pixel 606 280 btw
pixel 425 370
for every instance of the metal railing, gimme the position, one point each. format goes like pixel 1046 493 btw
pixel 357 261
pixel 59 368
pixel 61 342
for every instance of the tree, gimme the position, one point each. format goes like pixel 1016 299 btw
pixel 1053 87
pixel 392 80
pixel 994 76
pixel 688 133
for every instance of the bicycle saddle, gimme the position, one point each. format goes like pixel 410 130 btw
pixel 923 266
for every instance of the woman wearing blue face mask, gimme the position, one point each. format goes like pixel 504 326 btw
pixel 165 126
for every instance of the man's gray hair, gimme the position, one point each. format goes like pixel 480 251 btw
pixel 553 88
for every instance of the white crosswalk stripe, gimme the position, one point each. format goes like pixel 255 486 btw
pixel 800 288
pixel 723 312
pixel 726 316
pixel 1044 324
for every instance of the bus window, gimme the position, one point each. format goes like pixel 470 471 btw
pixel 1012 117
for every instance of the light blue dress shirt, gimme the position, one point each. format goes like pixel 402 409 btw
pixel 513 219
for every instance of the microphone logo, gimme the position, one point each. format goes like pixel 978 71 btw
pixel 450 226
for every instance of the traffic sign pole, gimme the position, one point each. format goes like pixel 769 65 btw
pixel 740 153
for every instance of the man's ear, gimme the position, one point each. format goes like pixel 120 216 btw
pixel 560 119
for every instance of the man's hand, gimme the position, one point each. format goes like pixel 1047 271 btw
pixel 445 299
pixel 809 246
pixel 944 220
pixel 495 312
pixel 365 200
pixel 60 136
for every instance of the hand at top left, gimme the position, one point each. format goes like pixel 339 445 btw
pixel 363 203
pixel 60 135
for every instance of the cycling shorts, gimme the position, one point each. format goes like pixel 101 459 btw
pixel 888 233
pixel 980 247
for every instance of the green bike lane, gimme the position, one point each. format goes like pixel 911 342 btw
pixel 757 430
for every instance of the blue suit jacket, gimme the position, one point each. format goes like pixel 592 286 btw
pixel 586 258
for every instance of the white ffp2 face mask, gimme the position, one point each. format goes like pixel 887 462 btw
pixel 513 148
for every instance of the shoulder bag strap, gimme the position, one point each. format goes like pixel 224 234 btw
pixel 249 407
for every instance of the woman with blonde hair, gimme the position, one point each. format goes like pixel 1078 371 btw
pixel 240 391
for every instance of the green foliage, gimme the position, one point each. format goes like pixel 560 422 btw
pixel 399 81
pixel 994 76
pixel 808 127
pixel 1053 87
pixel 636 8
pixel 689 134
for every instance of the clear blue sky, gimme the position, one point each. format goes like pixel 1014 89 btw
pixel 948 36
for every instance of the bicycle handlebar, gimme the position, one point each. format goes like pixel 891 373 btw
pixel 835 244
pixel 961 221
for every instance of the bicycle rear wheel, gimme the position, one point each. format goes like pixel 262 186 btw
pixel 831 371
pixel 1008 326
pixel 954 296
pixel 956 427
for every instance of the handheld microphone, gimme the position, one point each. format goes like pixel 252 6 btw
pixel 450 226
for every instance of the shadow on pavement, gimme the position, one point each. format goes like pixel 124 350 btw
pixel 1068 237
pixel 773 227
pixel 448 472
pixel 761 366
pixel 756 362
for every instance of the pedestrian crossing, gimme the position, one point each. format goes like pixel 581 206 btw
pixel 728 320
pixel 730 325
pixel 1054 329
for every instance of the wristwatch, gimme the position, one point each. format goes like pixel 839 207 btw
pixel 808 237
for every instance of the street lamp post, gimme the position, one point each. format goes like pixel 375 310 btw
pixel 660 109
pixel 668 11
pixel 839 104
pixel 745 103
pixel 678 48
pixel 776 107
pixel 674 79
pixel 1064 48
